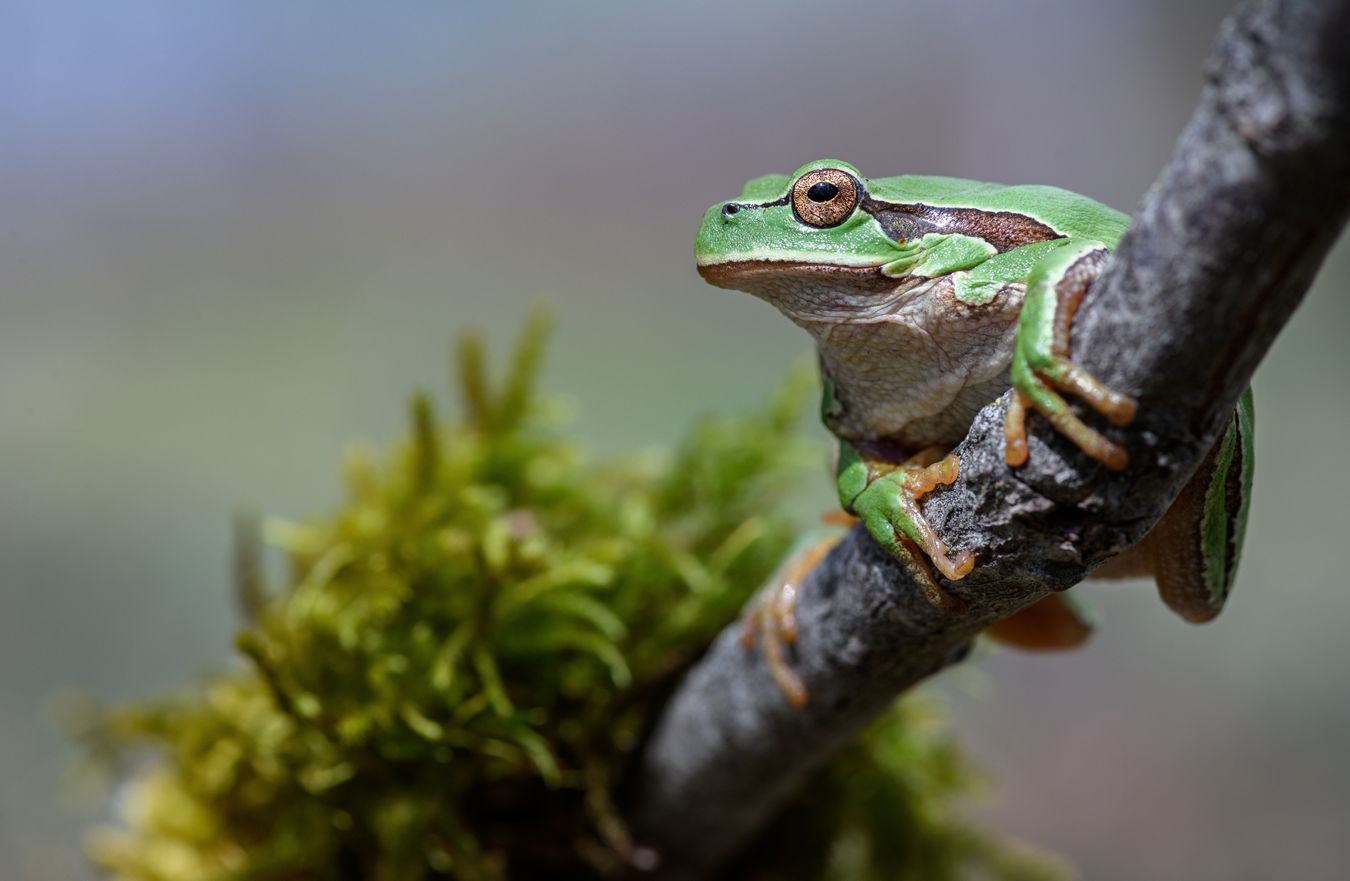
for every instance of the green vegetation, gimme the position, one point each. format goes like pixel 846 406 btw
pixel 468 653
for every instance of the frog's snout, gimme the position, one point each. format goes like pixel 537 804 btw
pixel 720 222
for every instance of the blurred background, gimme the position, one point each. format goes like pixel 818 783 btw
pixel 235 238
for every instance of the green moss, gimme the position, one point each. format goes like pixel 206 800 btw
pixel 468 651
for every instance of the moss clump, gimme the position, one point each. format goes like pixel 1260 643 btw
pixel 468 653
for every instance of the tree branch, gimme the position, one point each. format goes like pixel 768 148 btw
pixel 1218 256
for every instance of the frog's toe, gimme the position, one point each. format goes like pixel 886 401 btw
pixel 1067 376
pixel 771 620
pixel 890 511
pixel 772 623
pixel 1034 386
pixel 954 568
pixel 919 482
pixel 1015 430
pixel 911 556
pixel 1089 440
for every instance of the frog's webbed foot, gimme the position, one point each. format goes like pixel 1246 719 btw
pixel 889 508
pixel 772 619
pixel 1055 623
pixel 1041 367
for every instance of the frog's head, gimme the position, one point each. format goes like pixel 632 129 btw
pixel 806 243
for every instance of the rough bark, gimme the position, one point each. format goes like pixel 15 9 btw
pixel 1218 256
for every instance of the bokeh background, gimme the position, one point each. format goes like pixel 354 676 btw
pixel 234 237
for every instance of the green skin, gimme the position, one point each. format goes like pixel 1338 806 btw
pixel 928 297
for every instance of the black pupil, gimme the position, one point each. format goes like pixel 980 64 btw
pixel 822 191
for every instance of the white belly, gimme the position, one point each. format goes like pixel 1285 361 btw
pixel 916 375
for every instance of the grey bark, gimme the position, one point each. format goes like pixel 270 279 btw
pixel 1219 254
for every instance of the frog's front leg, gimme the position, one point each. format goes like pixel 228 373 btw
pixel 1041 366
pixel 886 498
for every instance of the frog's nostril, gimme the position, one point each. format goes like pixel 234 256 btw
pixel 730 208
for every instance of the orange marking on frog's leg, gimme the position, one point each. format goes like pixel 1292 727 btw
pixel 1015 430
pixel 919 482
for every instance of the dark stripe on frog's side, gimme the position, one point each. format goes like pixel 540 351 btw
pixel 1004 230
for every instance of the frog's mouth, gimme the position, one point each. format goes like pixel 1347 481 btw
pixel 764 278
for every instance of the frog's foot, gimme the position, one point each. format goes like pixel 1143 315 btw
pixel 1041 368
pixel 772 619
pixel 1055 623
pixel 889 508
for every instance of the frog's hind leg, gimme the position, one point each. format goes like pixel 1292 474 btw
pixel 1194 550
pixel 772 617
pixel 1042 368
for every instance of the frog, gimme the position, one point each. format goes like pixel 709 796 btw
pixel 929 298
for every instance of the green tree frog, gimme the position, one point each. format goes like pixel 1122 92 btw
pixel 928 297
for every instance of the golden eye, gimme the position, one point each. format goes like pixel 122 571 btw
pixel 824 197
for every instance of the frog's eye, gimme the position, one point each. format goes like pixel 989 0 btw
pixel 824 197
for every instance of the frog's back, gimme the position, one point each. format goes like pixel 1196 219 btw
pixel 1066 212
